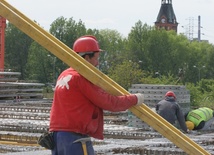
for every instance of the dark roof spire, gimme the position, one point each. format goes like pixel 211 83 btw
pixel 166 17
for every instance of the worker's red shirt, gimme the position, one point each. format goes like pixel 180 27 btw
pixel 78 105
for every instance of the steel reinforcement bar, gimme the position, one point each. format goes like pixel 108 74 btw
pixel 20 108
pixel 69 57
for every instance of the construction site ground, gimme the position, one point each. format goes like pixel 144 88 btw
pixel 22 122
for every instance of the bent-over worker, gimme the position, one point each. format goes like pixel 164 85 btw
pixel 199 119
pixel 170 110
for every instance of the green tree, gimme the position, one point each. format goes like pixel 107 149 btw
pixel 113 45
pixel 67 30
pixel 209 52
pixel 202 93
pixel 16 49
pixel 205 59
pixel 137 44
pixel 38 66
pixel 126 73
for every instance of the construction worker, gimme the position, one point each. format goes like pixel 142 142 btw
pixel 199 119
pixel 171 111
pixel 77 109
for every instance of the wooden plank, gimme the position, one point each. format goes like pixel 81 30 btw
pixel 95 76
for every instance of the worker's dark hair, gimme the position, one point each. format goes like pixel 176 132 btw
pixel 200 125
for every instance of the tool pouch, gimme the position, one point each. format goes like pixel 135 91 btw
pixel 46 140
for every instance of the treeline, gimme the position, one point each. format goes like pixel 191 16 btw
pixel 147 56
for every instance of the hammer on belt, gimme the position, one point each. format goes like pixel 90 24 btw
pixel 83 142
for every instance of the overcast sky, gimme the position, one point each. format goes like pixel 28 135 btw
pixel 121 15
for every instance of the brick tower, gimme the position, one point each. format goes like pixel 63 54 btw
pixel 166 18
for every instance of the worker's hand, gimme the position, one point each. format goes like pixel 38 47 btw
pixel 187 132
pixel 140 99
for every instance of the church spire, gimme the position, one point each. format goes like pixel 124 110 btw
pixel 166 17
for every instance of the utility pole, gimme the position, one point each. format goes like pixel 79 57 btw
pixel 199 71
pixel 199 28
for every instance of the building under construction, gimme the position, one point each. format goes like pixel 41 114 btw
pixel 25 113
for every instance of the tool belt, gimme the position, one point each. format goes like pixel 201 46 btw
pixel 46 140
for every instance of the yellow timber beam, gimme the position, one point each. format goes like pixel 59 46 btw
pixel 90 72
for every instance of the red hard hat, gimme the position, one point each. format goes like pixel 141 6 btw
pixel 170 93
pixel 86 44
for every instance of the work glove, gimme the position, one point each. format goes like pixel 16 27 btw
pixel 189 131
pixel 140 99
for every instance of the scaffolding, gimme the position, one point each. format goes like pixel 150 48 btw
pixel 2 41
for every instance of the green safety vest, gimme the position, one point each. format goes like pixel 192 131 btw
pixel 200 114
